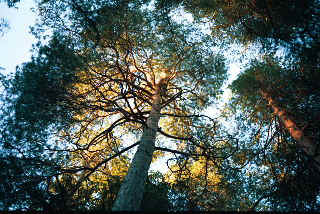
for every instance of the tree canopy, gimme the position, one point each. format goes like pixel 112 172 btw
pixel 116 86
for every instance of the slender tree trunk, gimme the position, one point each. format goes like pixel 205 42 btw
pixel 304 141
pixel 130 195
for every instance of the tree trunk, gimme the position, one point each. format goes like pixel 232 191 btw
pixel 305 142
pixel 130 195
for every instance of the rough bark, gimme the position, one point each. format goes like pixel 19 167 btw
pixel 130 195
pixel 304 141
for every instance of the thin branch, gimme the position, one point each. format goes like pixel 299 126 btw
pixel 92 170
pixel 174 137
pixel 176 151
pixel 259 200
pixel 190 115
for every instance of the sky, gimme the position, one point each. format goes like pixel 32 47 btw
pixel 15 45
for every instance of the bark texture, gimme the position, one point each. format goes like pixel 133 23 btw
pixel 304 141
pixel 130 195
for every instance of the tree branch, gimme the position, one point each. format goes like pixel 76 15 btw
pixel 174 137
pixel 92 170
pixel 176 151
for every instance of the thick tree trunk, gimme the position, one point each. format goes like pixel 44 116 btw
pixel 305 142
pixel 131 191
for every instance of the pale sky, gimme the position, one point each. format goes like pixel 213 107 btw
pixel 15 45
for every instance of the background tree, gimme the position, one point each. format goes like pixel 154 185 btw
pixel 28 121
pixel 268 22
pixel 4 25
pixel 291 162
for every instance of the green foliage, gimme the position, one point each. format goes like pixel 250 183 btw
pixel 297 188
pixel 35 106
pixel 38 93
pixel 10 3
pixel 100 196
pixel 268 22
pixel 24 182
pixel 4 26
pixel 67 113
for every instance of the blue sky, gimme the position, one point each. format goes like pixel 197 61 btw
pixel 15 45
